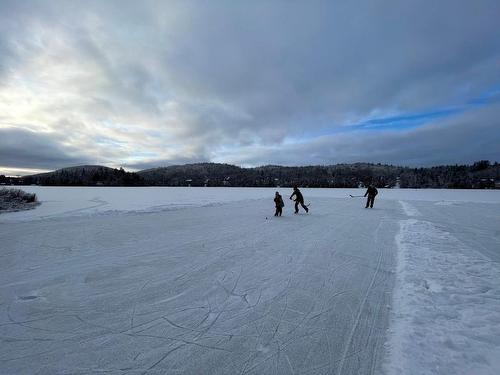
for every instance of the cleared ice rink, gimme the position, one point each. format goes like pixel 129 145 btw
pixel 198 281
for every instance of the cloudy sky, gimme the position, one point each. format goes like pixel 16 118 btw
pixel 140 84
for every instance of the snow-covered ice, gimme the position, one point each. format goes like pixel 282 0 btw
pixel 73 201
pixel 447 299
pixel 207 281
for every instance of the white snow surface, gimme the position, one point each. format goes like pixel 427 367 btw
pixel 446 317
pixel 207 281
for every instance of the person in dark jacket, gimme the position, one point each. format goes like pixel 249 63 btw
pixel 299 199
pixel 371 192
pixel 278 202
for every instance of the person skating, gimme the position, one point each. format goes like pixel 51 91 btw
pixel 299 199
pixel 371 192
pixel 278 201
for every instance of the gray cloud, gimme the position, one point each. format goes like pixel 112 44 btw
pixel 26 149
pixel 462 139
pixel 194 81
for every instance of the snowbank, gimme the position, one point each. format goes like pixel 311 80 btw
pixel 446 306
pixel 16 200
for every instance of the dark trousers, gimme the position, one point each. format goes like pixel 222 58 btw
pixel 369 201
pixel 297 206
pixel 278 212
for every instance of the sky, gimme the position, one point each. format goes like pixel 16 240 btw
pixel 142 84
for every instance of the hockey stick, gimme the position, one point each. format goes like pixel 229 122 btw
pixel 307 205
pixel 356 196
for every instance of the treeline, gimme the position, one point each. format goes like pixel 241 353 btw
pixel 87 175
pixel 209 174
pixel 480 175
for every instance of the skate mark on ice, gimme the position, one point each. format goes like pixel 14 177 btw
pixel 19 339
pixel 163 358
pixel 280 319
pixel 232 292
pixel 12 321
pixel 262 347
pixel 362 305
pixel 284 346
pixel 329 365
pixel 330 308
pixel 27 356
pixel 289 364
pixel 212 323
pixel 135 304
pixel 177 339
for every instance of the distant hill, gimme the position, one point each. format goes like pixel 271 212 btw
pixel 481 174
pixel 85 175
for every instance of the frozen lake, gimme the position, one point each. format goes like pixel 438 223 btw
pixel 71 201
pixel 207 281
